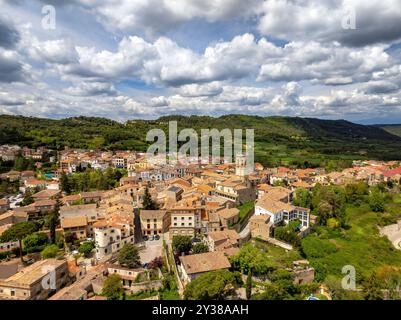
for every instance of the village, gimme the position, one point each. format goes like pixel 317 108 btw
pixel 159 228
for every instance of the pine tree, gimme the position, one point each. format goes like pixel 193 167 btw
pixel 65 184
pixel 148 203
pixel 249 285
pixel 53 221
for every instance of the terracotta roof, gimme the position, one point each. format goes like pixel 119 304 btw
pixel 228 213
pixel 152 214
pixel 46 202
pixel 224 235
pixel 301 184
pixel 72 222
pixel 393 172
pixel 273 206
pixel 204 262
pixel 45 194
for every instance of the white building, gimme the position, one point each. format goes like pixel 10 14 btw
pixel 282 212
pixel 112 234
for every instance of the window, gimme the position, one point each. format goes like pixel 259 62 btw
pixel 182 218
pixel 182 224
pixel 189 218
pixel 175 218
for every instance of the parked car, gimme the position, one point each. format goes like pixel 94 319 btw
pixel 151 238
pixel 196 240
pixel 157 237
pixel 145 238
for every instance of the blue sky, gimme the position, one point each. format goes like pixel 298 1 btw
pixel 126 59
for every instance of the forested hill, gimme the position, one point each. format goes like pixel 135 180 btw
pixel 391 128
pixel 282 139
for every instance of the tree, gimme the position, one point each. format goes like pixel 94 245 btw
pixel 35 241
pixel 156 263
pixel 148 203
pixel 215 285
pixel 182 244
pixel 50 251
pixel 302 198
pixel 53 221
pixel 18 232
pixel 86 248
pixel 113 288
pixel 27 198
pixel 65 183
pixel 129 256
pixel 376 201
pixel 249 285
pixel 200 248
pixel 372 288
pixel 252 258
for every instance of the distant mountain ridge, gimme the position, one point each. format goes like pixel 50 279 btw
pixel 277 138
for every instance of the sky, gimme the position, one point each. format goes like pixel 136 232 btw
pixel 124 59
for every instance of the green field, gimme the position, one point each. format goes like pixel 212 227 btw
pixel 359 245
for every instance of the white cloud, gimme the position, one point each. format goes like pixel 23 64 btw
pixel 377 21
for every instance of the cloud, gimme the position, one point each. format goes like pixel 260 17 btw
pixel 159 16
pixel 59 51
pixel 377 21
pixel 380 87
pixel 87 89
pixel 9 36
pixel 11 68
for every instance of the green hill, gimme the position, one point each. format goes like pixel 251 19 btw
pixel 278 140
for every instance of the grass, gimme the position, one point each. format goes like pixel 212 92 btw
pixel 244 210
pixel 142 295
pixel 360 245
pixel 281 257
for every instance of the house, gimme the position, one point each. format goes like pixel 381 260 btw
pixel 36 282
pixel 174 192
pixel 44 207
pixel 260 226
pixel 4 205
pixel 235 190
pixel 393 175
pixel 129 277
pixel 12 217
pixel 275 193
pixel 221 240
pixel 112 233
pixel 185 220
pixel 7 246
pixel 91 196
pixel 76 226
pixel 301 184
pixel 11 175
pixel 154 221
pixel 281 211
pixel 71 199
pixel 192 266
pixel 228 217
pixel 79 219
pixel 46 195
